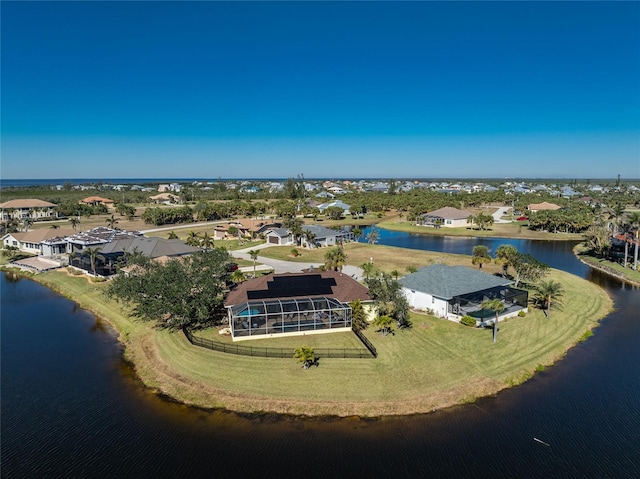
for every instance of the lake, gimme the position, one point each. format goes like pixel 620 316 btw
pixel 72 407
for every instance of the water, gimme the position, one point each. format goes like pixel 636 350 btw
pixel 71 407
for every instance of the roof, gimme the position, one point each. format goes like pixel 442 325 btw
pixel 323 232
pixel 96 199
pixel 27 203
pixel 449 213
pixel 164 197
pixel 282 232
pixel 149 247
pixel 101 234
pixel 39 235
pixel 543 206
pixel 449 281
pixel 331 284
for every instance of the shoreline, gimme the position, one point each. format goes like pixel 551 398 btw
pixel 151 351
pixel 429 231
pixel 605 269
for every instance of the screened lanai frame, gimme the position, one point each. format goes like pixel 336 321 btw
pixel 282 316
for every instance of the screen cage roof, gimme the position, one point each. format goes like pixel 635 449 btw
pixel 286 306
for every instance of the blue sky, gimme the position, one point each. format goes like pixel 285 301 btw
pixel 327 89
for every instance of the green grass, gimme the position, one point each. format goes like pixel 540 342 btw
pixel 612 267
pixel 435 364
pixel 498 230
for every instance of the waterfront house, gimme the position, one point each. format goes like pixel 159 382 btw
pixel 290 304
pixel 447 217
pixel 452 292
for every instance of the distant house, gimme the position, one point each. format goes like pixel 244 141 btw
pixel 27 208
pixel 334 204
pixel 290 304
pixel 279 236
pixel 447 217
pixel 325 236
pixel 535 207
pixel 454 291
pixel 96 200
pixel 114 251
pixel 246 228
pixel 32 241
pixel 164 198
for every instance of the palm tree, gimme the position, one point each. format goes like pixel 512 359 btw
pixel 547 292
pixel 497 307
pixel 238 276
pixel 395 273
pixel 26 224
pixel 372 236
pixel 172 235
pixel 207 241
pixel 480 256
pixel 367 268
pixel 310 238
pixel 506 255
pixel 253 253
pixel 305 355
pixel 357 234
pixel 335 258
pixel 93 254
pixel 193 238
pixel 385 323
pixel 112 222
pixel 74 223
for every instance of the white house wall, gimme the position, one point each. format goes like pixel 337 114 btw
pixel 423 301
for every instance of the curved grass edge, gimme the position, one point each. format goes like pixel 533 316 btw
pixel 601 265
pixel 164 362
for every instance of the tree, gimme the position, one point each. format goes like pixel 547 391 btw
pixel 597 238
pixel 528 269
pixel 548 294
pixel 193 238
pixel 188 291
pixel 237 277
pixel 395 273
pixel 335 258
pixel 207 241
pixel 358 315
pixel 306 356
pixel 506 255
pixel 93 254
pixel 112 222
pixel 310 238
pixel 368 269
pixel 357 234
pixel 74 223
pixel 385 324
pixel 253 253
pixel 497 307
pixel 480 256
pixel 172 235
pixel 389 299
pixel 373 235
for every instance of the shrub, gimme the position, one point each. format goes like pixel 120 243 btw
pixel 521 314
pixel 468 321
pixel 295 252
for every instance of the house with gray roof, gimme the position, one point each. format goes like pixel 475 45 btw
pixel 452 292
pixel 323 236
pixel 447 217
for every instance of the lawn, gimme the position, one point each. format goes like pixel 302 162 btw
pixel 435 364
pixel 385 258
pixel 498 230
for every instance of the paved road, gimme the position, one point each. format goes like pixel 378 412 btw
pixel 497 216
pixel 280 266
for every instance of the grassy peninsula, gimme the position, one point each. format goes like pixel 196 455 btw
pixel 435 364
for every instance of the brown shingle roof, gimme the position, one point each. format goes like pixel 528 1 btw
pixel 335 285
pixel 543 206
pixel 27 203
pixel 36 236
pixel 96 199
pixel 449 213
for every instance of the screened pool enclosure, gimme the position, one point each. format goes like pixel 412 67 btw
pixel 293 316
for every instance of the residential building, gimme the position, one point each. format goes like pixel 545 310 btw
pixel 27 208
pixel 447 217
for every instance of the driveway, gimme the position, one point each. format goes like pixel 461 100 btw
pixel 281 266
pixel 497 216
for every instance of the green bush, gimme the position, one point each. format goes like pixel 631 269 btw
pixel 521 314
pixel 468 321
